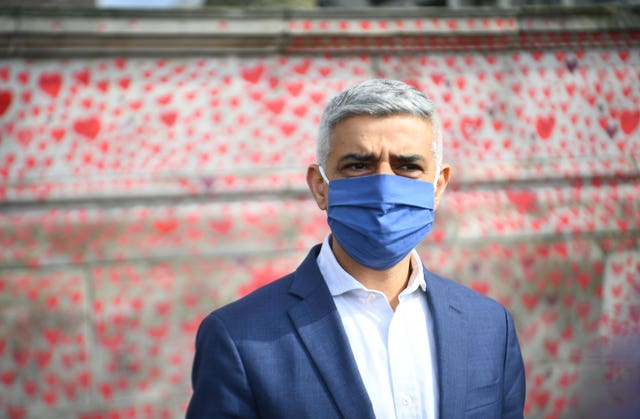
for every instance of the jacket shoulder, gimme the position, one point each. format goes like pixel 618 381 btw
pixel 266 300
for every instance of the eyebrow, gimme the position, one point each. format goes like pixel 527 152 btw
pixel 357 157
pixel 409 158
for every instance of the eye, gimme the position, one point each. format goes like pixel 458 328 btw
pixel 356 166
pixel 355 169
pixel 409 170
pixel 410 167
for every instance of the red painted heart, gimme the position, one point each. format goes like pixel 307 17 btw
pixel 6 97
pixel 544 126
pixel 87 127
pixel 469 126
pixel 629 120
pixel 169 118
pixel 252 75
pixel 50 83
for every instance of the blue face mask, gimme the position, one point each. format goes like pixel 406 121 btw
pixel 379 219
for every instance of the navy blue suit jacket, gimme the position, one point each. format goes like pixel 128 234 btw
pixel 281 352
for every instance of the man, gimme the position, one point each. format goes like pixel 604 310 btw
pixel 361 329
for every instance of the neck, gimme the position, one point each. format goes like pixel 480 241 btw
pixel 390 281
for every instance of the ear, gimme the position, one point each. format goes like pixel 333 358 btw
pixel 318 188
pixel 443 181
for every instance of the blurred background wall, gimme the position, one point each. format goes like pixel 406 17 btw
pixel 152 169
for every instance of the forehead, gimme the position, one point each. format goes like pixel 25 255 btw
pixel 394 134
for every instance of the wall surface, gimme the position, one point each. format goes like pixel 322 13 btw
pixel 152 169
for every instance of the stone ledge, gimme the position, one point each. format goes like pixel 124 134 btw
pixel 45 32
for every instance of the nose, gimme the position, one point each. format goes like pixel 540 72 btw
pixel 384 168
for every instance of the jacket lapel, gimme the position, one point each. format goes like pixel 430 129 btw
pixel 318 323
pixel 451 347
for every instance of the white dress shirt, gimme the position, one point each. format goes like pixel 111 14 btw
pixel 394 350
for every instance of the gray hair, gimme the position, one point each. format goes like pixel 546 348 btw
pixel 377 98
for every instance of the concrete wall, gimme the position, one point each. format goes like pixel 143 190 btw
pixel 152 169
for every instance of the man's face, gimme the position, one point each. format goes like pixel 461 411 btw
pixel 363 145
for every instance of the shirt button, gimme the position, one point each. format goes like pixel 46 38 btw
pixel 405 401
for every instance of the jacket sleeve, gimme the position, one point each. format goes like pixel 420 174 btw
pixel 220 386
pixel 514 375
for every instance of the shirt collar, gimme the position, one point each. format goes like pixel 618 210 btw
pixel 340 281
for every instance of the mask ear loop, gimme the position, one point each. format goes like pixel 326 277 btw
pixel 323 174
